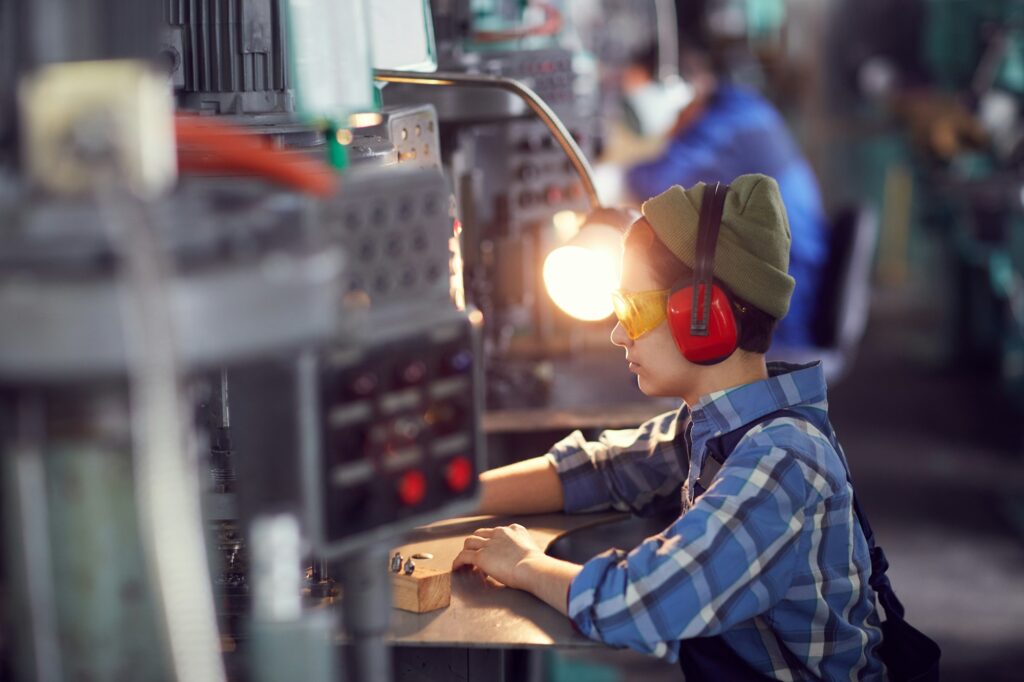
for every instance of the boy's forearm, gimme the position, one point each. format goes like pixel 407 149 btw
pixel 528 487
pixel 549 579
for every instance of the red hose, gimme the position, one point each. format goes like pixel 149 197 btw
pixel 208 145
pixel 551 25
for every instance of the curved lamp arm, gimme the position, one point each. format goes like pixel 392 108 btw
pixel 539 107
pixel 668 39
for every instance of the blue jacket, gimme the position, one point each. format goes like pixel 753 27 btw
pixel 740 132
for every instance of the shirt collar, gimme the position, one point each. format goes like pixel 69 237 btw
pixel 787 385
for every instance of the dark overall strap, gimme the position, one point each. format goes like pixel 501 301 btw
pixel 711 658
pixel 720 448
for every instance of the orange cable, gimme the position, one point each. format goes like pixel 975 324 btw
pixel 551 25
pixel 206 144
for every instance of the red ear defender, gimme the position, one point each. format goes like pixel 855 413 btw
pixel 720 340
pixel 700 314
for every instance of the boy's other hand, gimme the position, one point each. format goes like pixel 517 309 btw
pixel 501 553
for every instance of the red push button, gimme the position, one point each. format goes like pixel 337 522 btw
pixel 412 487
pixel 412 373
pixel 363 384
pixel 459 474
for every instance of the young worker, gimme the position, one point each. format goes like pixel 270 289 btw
pixel 764 575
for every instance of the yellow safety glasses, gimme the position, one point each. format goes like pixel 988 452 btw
pixel 640 312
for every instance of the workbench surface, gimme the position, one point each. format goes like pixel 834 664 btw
pixel 484 613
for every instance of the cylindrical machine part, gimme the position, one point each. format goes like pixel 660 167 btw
pixel 82 596
pixel 366 586
pixel 276 574
pixel 287 643
pixel 8 79
pixel 228 56
pixel 222 469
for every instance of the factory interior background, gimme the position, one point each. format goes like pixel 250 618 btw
pixel 280 278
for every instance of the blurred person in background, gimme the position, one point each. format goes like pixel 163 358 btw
pixel 717 130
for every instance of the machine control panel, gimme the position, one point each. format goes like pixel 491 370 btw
pixel 548 72
pixel 399 434
pixel 397 241
pixel 543 180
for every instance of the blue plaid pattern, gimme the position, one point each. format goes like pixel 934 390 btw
pixel 771 556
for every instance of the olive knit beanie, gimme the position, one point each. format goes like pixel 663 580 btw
pixel 752 256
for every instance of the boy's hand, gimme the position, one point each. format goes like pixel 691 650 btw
pixel 501 553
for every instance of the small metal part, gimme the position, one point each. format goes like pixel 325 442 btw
pixel 409 566
pixel 396 563
pixel 422 556
pixel 276 575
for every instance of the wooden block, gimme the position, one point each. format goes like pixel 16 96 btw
pixel 425 590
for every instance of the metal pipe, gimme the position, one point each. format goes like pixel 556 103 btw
pixel 667 27
pixel 366 586
pixel 167 486
pixel 29 541
pixel 225 408
pixel 539 107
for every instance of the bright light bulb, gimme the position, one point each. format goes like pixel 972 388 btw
pixel 567 225
pixel 581 280
pixel 365 119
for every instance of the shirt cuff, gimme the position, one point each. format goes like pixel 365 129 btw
pixel 568 599
pixel 583 591
pixel 583 487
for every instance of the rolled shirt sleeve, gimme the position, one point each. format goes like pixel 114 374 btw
pixel 728 558
pixel 624 469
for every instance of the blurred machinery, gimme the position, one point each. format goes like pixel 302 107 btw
pixel 290 309
pixel 940 86
pixel 965 146
pixel 509 173
pixel 250 290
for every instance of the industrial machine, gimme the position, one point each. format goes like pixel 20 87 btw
pixel 510 174
pixel 250 299
pixel 255 277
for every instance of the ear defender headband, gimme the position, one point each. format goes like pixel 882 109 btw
pixel 700 313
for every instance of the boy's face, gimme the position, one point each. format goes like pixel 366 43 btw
pixel 660 368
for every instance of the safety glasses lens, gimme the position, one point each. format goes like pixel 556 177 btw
pixel 639 312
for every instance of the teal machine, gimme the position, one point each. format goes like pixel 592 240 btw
pixel 934 90
pixel 976 50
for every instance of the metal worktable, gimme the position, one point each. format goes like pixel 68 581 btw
pixel 484 613
pixel 489 632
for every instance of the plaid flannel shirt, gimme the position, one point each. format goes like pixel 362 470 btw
pixel 771 556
